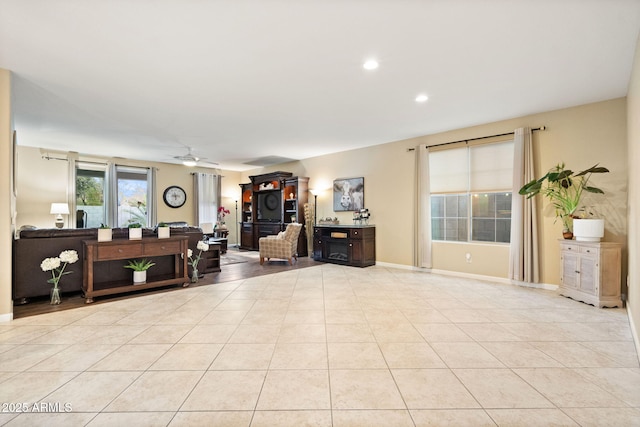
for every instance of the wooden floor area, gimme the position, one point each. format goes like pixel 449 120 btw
pixel 229 273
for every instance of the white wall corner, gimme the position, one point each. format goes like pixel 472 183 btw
pixel 6 317
pixel 634 331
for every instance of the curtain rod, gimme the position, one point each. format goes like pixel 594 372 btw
pixel 476 139
pixel 46 156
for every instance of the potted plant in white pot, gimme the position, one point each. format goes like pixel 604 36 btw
pixel 135 231
pixel 587 226
pixel 564 188
pixel 104 233
pixel 140 268
pixel 164 231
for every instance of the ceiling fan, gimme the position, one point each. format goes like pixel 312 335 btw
pixel 190 160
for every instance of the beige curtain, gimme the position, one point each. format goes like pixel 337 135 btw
pixel 523 254
pixel 152 197
pixel 423 209
pixel 207 197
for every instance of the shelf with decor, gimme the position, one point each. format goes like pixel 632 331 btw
pixel 270 202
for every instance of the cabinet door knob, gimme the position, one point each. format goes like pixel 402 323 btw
pixel 350 244
pixel 577 271
pixel 120 250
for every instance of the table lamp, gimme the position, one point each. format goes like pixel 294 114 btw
pixel 59 209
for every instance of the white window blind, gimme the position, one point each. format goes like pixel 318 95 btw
pixel 449 170
pixel 491 167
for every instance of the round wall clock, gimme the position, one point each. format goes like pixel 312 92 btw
pixel 174 196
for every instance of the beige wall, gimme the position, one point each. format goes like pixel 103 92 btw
pixel 633 117
pixel 42 181
pixel 6 194
pixel 579 136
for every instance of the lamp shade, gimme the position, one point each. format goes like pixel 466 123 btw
pixel 59 208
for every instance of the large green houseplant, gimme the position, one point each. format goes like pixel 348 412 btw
pixel 564 189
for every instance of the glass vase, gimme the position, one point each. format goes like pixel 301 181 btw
pixel 55 296
pixel 194 276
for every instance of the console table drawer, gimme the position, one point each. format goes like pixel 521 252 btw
pixel 160 248
pixel 119 252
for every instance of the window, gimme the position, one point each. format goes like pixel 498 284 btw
pixel 449 217
pixel 90 195
pixel 471 193
pixel 491 217
pixel 131 193
pixel 116 195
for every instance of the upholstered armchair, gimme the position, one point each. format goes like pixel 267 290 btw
pixel 284 245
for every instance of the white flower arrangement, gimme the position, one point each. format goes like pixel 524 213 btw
pixel 57 265
pixel 193 261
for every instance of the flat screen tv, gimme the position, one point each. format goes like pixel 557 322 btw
pixel 269 206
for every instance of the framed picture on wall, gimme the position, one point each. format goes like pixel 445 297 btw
pixel 348 194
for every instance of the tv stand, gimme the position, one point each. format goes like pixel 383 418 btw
pixel 353 245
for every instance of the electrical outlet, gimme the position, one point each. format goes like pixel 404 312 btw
pixel 468 257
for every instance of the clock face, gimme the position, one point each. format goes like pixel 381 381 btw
pixel 174 196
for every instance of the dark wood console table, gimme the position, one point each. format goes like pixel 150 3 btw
pixel 353 245
pixel 123 249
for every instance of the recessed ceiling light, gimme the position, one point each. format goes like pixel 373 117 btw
pixel 422 98
pixel 371 64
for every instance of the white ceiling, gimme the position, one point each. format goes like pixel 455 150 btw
pixel 243 80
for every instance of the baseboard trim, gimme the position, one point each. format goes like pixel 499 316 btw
pixel 545 286
pixel 401 266
pixel 472 276
pixel 7 317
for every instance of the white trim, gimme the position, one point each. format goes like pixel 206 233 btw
pixel 473 276
pixel 402 266
pixel 545 286
pixel 634 331
pixel 7 317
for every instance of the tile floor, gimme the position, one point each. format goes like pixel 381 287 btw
pixel 325 346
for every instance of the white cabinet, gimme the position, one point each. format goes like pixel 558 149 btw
pixel 591 272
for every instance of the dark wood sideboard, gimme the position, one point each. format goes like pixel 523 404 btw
pixel 353 245
pixel 123 249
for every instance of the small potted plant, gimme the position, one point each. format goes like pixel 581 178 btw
pixel 140 268
pixel 164 231
pixel 135 231
pixel 564 189
pixel 104 233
